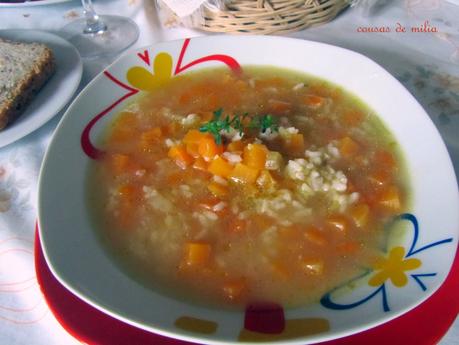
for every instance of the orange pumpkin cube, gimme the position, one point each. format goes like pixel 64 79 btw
pixel 360 214
pixel 150 138
pixel 348 147
pixel 208 148
pixel 339 223
pixel 217 189
pixel 265 180
pixel 244 174
pixel 254 156
pixel 200 164
pixel 315 236
pixel 313 101
pixel 219 166
pixel 197 254
pixel 390 199
pixel 181 157
pixel 235 146
pixel 294 144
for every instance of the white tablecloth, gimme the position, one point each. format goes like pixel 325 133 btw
pixel 427 63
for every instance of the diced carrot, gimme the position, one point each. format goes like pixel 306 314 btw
pixel 379 178
pixel 150 138
pixel 237 225
pixel 313 266
pixel 294 144
pixel 353 118
pixel 339 223
pixel 265 180
pixel 348 248
pixel 234 289
pixel 200 164
pixel 278 107
pixel 192 149
pixel 219 166
pixel 120 163
pixel 208 148
pixel 128 192
pixel 313 101
pixel 217 189
pixel 254 156
pixel 384 160
pixel 235 146
pixel 360 213
pixel 181 157
pixel 193 136
pixel 196 254
pixel 192 139
pixel 348 147
pixel 390 199
pixel 315 236
pixel 244 174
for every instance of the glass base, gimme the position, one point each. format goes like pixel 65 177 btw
pixel 121 33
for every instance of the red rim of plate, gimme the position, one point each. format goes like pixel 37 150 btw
pixel 425 324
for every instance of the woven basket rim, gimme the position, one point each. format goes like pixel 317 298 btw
pixel 267 16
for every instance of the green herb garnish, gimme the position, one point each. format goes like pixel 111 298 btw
pixel 219 124
pixel 216 125
pixel 264 123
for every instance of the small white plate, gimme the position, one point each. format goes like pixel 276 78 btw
pixel 31 3
pixel 56 92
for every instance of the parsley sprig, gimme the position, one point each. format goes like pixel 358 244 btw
pixel 264 123
pixel 227 123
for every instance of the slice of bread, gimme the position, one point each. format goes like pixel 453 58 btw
pixel 24 69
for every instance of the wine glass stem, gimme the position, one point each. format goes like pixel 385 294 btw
pixel 93 23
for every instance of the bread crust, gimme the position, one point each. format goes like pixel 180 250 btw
pixel 20 96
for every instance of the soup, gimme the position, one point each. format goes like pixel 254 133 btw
pixel 269 186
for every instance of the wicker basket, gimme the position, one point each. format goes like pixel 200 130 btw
pixel 264 16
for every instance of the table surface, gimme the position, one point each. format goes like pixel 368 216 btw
pixel 427 63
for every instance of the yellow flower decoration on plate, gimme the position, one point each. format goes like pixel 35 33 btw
pixel 393 267
pixel 144 80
